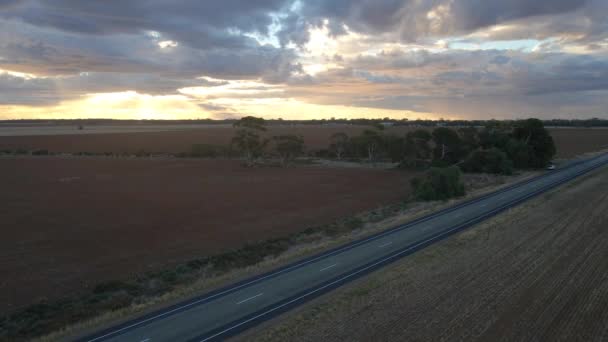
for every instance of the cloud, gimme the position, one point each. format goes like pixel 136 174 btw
pixel 459 57
pixel 413 19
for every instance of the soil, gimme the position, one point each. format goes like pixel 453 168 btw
pixel 69 223
pixel 569 141
pixel 536 273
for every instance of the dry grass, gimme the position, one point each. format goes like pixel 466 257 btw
pixel 537 273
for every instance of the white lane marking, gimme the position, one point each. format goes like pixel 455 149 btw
pixel 295 266
pixel 385 244
pixel 484 205
pixel 328 267
pixel 394 255
pixel 250 298
pixel 337 251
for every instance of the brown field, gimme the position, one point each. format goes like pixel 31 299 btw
pixel 68 223
pixel 166 142
pixel 536 273
pixel 569 141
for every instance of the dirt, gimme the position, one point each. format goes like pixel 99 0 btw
pixel 536 273
pixel 315 136
pixel 569 141
pixel 69 223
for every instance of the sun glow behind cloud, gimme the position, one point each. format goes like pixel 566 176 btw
pixel 304 59
pixel 121 105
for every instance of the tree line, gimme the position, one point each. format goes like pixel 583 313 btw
pixel 594 122
pixel 500 147
pixel 445 152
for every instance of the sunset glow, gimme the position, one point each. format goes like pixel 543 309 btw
pixel 298 60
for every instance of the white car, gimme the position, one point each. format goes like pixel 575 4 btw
pixel 551 167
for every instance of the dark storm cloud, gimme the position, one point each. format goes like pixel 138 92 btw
pixel 198 23
pixel 17 90
pixel 118 43
pixel 81 35
pixel 411 20
pixel 563 74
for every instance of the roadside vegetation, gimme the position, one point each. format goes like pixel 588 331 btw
pixel 445 152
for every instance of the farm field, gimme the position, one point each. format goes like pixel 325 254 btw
pixel 69 223
pixel 535 273
pixel 180 138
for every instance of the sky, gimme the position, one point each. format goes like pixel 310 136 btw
pixel 296 59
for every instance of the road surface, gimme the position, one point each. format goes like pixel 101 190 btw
pixel 225 312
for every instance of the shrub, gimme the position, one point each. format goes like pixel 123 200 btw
pixel 488 161
pixel 40 152
pixel 414 164
pixel 439 184
pixel 142 153
pixel 208 151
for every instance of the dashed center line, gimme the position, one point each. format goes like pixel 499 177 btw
pixel 328 267
pixel 248 299
pixel 385 244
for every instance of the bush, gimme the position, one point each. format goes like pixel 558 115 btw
pixel 439 184
pixel 40 153
pixel 142 153
pixel 414 164
pixel 208 151
pixel 488 161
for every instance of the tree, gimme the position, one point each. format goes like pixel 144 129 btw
pixel 371 141
pixel 339 143
pixel 447 145
pixel 494 135
pixel 533 134
pixel 252 123
pixel 439 184
pixel 288 147
pixel 488 161
pixel 470 139
pixel 247 138
pixel 519 153
pixel 418 144
pixel 396 147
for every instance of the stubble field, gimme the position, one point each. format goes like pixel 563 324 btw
pixel 536 273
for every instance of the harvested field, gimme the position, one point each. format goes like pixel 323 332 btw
pixel 69 223
pixel 168 141
pixel 536 273
pixel 570 141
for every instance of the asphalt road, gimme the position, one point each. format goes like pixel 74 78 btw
pixel 225 312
